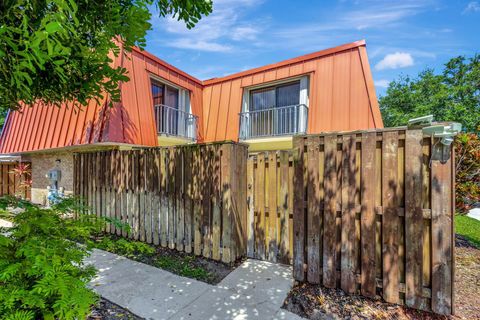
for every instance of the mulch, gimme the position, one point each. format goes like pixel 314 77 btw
pixel 317 302
pixel 107 310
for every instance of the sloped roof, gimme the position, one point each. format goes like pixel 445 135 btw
pixel 131 121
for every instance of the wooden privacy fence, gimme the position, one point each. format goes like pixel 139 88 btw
pixel 188 198
pixel 11 183
pixel 373 214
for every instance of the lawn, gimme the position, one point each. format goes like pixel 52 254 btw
pixel 468 228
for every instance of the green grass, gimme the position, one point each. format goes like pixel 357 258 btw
pixel 469 228
pixel 182 266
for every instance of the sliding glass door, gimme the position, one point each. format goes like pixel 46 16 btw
pixel 274 110
pixel 166 103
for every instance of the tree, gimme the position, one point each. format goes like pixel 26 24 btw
pixel 453 95
pixel 53 51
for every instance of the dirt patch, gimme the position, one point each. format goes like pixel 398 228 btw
pixel 106 310
pixel 467 280
pixel 317 302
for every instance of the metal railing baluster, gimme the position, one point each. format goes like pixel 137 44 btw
pixel 174 122
pixel 285 120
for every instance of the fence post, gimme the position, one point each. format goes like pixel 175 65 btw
pixel 298 210
pixel 442 243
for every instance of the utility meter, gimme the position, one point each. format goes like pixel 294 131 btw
pixel 54 174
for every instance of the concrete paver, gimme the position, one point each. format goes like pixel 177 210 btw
pixel 255 290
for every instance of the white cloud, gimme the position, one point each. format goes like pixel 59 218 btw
pixel 382 83
pixel 382 15
pixel 395 60
pixel 244 33
pixel 472 6
pixel 199 45
pixel 213 33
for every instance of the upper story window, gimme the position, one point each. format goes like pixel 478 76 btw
pixel 173 115
pixel 164 94
pixel 275 110
pixel 282 95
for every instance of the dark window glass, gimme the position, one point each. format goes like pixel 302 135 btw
pixel 171 97
pixel 157 93
pixel 262 99
pixel 288 94
pixel 275 97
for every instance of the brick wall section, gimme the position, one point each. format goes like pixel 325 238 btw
pixel 41 164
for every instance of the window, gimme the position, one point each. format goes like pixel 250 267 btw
pixel 276 96
pixel 165 94
pixel 172 110
pixel 275 110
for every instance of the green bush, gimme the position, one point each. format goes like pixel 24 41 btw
pixel 42 275
pixel 467 171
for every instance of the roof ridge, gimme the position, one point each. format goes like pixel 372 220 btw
pixel 309 56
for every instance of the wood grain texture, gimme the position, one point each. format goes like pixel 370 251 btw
pixel 330 213
pixel 368 285
pixel 442 248
pixel 313 211
pixel 390 225
pixel 272 207
pixel 414 219
pixel 348 233
pixel 298 212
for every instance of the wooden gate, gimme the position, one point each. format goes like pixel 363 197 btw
pixel 270 206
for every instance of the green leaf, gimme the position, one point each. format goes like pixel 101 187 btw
pixel 53 27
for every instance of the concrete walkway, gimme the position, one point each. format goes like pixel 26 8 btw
pixel 474 213
pixel 255 290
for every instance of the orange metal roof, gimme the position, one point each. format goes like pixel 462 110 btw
pixel 130 121
pixel 342 97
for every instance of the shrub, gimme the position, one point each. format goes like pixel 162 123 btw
pixel 124 247
pixel 467 171
pixel 42 275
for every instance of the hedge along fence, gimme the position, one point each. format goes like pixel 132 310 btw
pixel 373 214
pixel 189 198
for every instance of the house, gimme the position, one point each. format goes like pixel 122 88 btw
pixel 328 90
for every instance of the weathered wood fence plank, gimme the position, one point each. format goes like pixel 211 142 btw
pixel 187 198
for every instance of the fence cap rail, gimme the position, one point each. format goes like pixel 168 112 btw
pixel 184 146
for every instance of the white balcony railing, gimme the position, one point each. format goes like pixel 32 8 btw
pixel 281 121
pixel 174 122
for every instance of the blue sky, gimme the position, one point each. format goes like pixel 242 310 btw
pixel 403 37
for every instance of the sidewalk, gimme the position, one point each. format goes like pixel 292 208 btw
pixel 255 290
